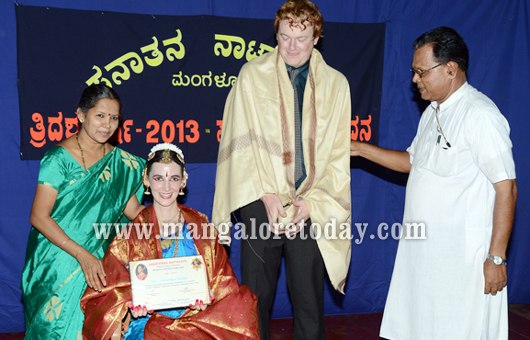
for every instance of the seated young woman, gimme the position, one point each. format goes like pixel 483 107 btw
pixel 109 313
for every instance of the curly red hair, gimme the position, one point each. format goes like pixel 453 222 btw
pixel 302 13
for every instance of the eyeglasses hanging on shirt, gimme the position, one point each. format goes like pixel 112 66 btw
pixel 440 131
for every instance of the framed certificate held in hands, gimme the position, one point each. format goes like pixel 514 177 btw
pixel 169 282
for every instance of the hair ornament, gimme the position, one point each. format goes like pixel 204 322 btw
pixel 166 146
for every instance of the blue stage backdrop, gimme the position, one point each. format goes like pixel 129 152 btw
pixel 68 50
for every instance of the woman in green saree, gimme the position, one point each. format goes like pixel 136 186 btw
pixel 84 184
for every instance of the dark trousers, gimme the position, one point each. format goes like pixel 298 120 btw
pixel 260 262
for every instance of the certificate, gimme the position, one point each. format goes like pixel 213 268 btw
pixel 169 283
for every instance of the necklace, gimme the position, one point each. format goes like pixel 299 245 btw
pixel 172 218
pixel 177 241
pixel 171 235
pixel 83 154
pixel 175 252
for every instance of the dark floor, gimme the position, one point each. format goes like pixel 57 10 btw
pixel 366 326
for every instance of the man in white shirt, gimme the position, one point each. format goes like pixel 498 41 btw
pixel 462 187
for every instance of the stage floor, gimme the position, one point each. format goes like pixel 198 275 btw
pixel 366 326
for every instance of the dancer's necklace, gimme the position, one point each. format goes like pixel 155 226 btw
pixel 171 238
pixel 172 219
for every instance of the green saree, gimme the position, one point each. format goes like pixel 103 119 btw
pixel 53 281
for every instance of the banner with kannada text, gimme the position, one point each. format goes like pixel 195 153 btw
pixel 173 73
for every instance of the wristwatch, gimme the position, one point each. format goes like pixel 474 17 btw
pixel 496 259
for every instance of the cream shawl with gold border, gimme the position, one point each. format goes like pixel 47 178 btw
pixel 257 145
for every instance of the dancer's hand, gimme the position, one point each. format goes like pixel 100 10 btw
pixel 138 311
